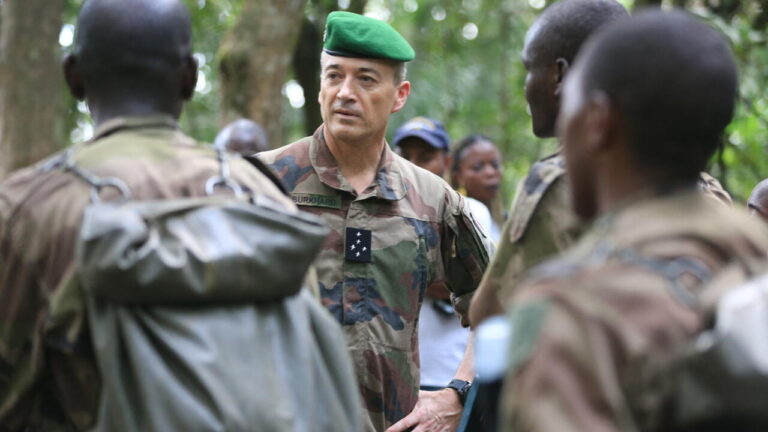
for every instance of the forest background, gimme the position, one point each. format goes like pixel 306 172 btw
pixel 260 59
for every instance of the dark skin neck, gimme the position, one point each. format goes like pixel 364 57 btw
pixel 104 108
pixel 619 179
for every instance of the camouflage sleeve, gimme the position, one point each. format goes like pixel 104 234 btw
pixel 465 253
pixel 563 372
pixel 539 227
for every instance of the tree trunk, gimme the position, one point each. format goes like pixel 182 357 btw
pixel 254 59
pixel 306 58
pixel 30 80
pixel 306 70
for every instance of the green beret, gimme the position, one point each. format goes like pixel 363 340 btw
pixel 351 35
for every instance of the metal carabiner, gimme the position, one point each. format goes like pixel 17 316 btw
pixel 213 182
pixel 114 182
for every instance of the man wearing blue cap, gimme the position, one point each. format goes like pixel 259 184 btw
pixel 424 142
pixel 396 228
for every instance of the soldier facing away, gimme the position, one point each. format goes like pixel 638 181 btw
pixel 596 333
pixel 133 65
pixel 396 228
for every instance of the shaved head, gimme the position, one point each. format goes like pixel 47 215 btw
pixel 243 136
pixel 674 81
pixel 563 27
pixel 133 35
pixel 551 45
pixel 758 200
pixel 139 49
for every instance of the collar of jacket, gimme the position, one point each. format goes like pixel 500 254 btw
pixel 134 122
pixel 388 183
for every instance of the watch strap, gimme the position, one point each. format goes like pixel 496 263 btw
pixel 461 387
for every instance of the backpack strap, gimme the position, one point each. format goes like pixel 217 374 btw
pixel 66 162
pixel 264 169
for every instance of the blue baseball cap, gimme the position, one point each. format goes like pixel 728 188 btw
pixel 429 130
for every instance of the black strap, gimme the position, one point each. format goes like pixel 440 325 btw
pixel 261 166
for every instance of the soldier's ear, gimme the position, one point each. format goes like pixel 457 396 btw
pixel 73 77
pixel 561 70
pixel 188 77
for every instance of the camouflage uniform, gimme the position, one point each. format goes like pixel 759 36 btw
pixel 406 231
pixel 596 331
pixel 542 224
pixel 48 375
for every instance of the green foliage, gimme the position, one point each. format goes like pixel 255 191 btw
pixel 744 161
pixel 210 21
pixel 467 73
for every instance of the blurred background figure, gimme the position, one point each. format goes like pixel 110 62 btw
pixel 425 143
pixel 476 173
pixel 442 340
pixel 758 200
pixel 243 136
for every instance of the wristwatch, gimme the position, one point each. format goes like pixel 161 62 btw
pixel 462 389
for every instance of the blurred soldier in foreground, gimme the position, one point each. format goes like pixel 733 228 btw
pixel 595 333
pixel 242 136
pixel 758 200
pixel 541 223
pixel 396 228
pixel 175 350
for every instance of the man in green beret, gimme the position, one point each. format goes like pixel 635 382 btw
pixel 396 228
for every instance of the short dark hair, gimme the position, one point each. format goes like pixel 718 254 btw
pixel 674 81
pixel 564 26
pixel 140 43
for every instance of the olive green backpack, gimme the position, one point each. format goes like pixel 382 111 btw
pixel 198 316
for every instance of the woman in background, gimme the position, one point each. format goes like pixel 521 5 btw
pixel 476 174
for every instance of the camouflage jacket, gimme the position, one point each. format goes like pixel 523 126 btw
pixel 48 376
pixel 595 333
pixel 542 224
pixel 408 230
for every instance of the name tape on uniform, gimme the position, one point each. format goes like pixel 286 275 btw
pixel 315 200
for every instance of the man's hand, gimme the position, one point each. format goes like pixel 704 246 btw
pixel 436 411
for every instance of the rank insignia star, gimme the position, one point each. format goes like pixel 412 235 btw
pixel 357 245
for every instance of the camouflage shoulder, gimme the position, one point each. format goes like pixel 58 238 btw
pixel 268 173
pixel 540 178
pixel 430 187
pixel 14 189
pixel 289 163
pixel 295 148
